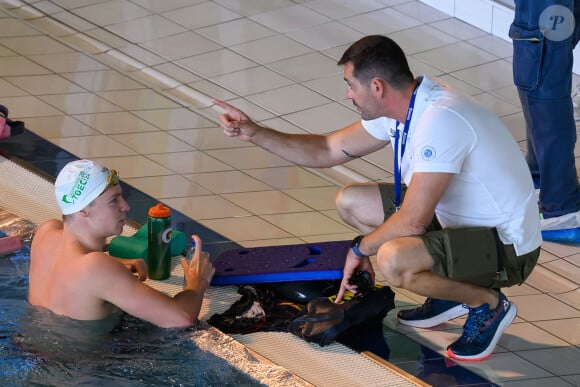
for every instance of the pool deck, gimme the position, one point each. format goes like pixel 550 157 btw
pixel 127 83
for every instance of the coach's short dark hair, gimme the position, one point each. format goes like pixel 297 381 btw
pixel 376 56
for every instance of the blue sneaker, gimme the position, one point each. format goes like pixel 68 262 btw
pixel 482 331
pixel 567 235
pixel 433 312
pixel 563 229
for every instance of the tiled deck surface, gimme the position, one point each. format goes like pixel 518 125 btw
pixel 127 83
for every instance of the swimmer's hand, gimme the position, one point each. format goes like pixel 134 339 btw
pixel 199 271
pixel 136 266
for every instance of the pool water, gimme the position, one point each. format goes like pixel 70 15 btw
pixel 38 347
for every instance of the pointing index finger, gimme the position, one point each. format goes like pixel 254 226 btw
pixel 222 104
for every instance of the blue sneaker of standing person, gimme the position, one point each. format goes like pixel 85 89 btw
pixel 482 330
pixel 564 228
pixel 433 312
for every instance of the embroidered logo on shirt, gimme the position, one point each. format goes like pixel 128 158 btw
pixel 428 153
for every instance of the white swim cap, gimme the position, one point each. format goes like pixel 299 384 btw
pixel 79 183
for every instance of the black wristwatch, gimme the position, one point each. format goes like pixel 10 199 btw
pixel 355 245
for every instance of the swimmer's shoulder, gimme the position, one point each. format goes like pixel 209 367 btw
pixel 47 231
pixel 50 225
pixel 102 263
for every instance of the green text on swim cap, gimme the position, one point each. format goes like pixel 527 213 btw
pixel 77 189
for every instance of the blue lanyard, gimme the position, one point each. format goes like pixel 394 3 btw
pixel 403 144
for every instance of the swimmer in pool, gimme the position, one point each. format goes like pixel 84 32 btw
pixel 72 276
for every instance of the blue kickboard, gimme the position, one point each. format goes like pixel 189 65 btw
pixel 287 263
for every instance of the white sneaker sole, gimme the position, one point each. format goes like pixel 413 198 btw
pixel 449 314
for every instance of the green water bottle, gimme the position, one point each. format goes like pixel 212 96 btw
pixel 159 242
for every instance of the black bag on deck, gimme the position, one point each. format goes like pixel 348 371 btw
pixel 323 321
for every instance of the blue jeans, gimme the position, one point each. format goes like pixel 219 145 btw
pixel 542 69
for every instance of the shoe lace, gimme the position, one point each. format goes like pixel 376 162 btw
pixel 426 305
pixel 475 320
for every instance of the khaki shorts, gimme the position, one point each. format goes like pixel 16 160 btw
pixel 470 254
pixel 387 191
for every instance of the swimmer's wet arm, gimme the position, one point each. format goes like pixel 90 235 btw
pixel 184 310
pixel 112 282
pixel 146 303
pixel 198 274
pixel 135 266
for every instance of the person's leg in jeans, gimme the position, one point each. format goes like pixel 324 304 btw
pixel 542 67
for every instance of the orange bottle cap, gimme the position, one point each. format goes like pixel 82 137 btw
pixel 159 211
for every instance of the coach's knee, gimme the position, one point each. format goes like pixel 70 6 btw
pixel 391 262
pixel 345 202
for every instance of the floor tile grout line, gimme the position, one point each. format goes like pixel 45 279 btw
pixel 542 292
pixel 174 88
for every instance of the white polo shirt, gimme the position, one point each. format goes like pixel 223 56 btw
pixel 492 186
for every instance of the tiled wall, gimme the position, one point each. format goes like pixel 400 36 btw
pixel 493 16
